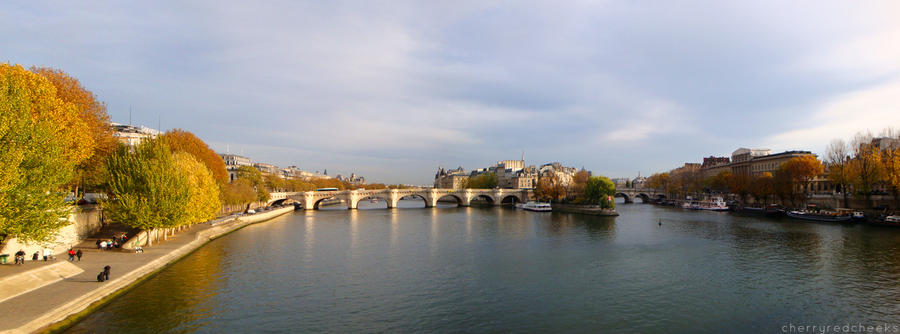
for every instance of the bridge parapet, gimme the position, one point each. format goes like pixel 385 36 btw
pixel 645 194
pixel 464 197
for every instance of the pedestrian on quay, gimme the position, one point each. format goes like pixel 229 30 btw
pixel 47 253
pixel 78 254
pixel 71 254
pixel 35 256
pixel 98 244
pixel 20 257
pixel 106 272
pixel 103 245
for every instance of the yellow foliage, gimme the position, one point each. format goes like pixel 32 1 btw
pixel 41 140
pixel 204 191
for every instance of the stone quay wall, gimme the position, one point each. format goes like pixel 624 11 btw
pixel 84 220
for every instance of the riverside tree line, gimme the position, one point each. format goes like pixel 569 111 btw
pixel 581 189
pixel 55 139
pixel 856 168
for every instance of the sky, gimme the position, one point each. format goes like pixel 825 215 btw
pixel 392 90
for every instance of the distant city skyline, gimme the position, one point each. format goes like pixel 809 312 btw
pixel 393 90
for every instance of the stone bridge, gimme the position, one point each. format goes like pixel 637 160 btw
pixel 645 194
pixel 311 199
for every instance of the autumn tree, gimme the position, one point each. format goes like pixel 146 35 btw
pixel 184 141
pixel 90 173
pixel 866 168
pixel 720 181
pixel 147 190
pixel 837 159
pixel 660 181
pixel 550 187
pixel 890 160
pixel 579 181
pixel 762 187
pixel 739 184
pixel 687 181
pixel 803 169
pixel 599 190
pixel 203 202
pixel 483 181
pixel 240 192
pixel 329 183
pixel 300 185
pixel 273 182
pixel 255 178
pixel 42 139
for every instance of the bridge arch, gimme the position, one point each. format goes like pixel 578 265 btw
pixel 486 197
pixel 627 198
pixel 378 197
pixel 317 204
pixel 644 197
pixel 415 197
pixel 511 199
pixel 280 201
pixel 459 200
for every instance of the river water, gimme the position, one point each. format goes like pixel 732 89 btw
pixel 501 270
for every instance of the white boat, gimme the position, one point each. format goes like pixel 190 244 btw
pixel 717 204
pixel 892 219
pixel 822 216
pixel 535 206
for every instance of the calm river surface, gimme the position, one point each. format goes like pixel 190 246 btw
pixel 501 270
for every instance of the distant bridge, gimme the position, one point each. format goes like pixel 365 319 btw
pixel 645 194
pixel 464 197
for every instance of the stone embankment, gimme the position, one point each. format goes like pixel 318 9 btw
pixel 51 292
pixel 593 210
pixel 85 220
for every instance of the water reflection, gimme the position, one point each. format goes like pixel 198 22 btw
pixel 497 270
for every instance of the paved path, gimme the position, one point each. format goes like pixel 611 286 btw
pixel 35 303
pixel 23 309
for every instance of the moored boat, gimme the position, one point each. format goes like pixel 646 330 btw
pixel 892 220
pixel 769 210
pixel 819 216
pixel 717 204
pixel 535 206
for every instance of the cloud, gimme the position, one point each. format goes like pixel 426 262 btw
pixel 869 109
pixel 400 85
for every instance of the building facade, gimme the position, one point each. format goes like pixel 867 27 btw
pixel 132 135
pixel 451 179
pixel 267 168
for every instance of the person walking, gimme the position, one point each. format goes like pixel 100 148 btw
pixel 20 257
pixel 103 245
pixel 98 244
pixel 78 254
pixel 35 256
pixel 106 272
pixel 71 254
pixel 47 253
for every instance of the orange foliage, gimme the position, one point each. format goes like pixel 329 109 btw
pixel 94 119
pixel 184 141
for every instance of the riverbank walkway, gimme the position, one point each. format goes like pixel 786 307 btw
pixel 57 297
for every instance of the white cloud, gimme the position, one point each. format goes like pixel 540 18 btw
pixel 869 109
pixel 867 56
